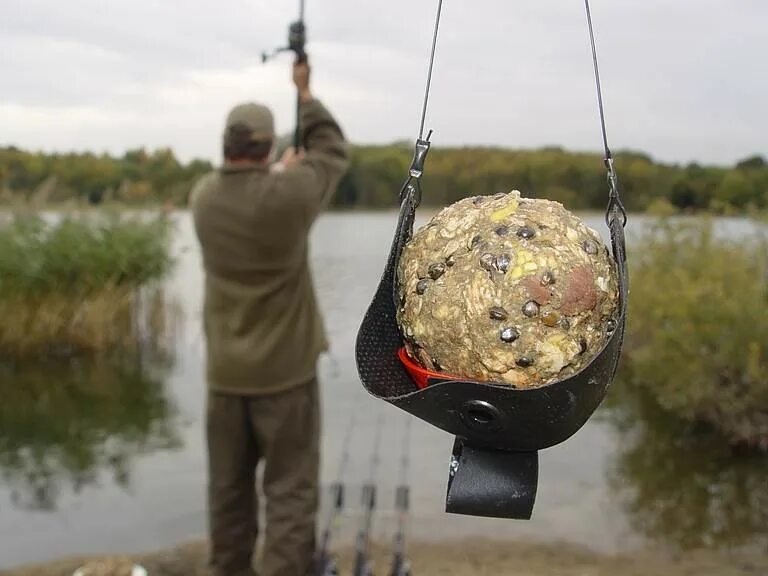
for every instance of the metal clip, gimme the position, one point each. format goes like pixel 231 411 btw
pixel 420 156
pixel 615 205
pixel 411 190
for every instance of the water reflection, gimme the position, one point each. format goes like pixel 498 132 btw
pixel 66 423
pixel 682 485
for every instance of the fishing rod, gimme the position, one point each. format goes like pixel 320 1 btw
pixel 297 40
pixel 363 566
pixel 400 564
pixel 325 562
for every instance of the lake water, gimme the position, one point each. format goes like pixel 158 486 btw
pixel 114 461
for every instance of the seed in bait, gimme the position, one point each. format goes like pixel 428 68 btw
pixel 530 309
pixel 477 200
pixel 503 263
pixel 450 261
pixel 502 230
pixel 488 262
pixel 422 286
pixel 590 247
pixel 583 345
pixel 565 324
pixel 475 241
pixel 610 326
pixel 548 278
pixel 498 313
pixel 509 335
pixel 436 270
pixel 525 361
pixel 526 232
pixel 551 320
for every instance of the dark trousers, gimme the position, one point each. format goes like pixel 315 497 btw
pixel 283 430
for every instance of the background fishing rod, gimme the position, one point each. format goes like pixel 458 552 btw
pixel 297 40
pixel 363 565
pixel 400 564
pixel 325 562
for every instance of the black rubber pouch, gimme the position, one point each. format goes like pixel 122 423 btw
pixel 498 429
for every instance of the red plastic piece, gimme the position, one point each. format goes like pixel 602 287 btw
pixel 420 375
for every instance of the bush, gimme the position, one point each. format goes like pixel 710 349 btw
pixel 698 327
pixel 80 255
pixel 73 287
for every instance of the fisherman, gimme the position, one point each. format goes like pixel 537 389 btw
pixel 264 332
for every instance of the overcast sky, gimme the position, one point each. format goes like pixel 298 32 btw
pixel 683 79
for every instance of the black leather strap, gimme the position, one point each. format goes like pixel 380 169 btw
pixel 492 483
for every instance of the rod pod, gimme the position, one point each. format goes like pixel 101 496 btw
pixel 325 561
pixel 363 566
pixel 400 564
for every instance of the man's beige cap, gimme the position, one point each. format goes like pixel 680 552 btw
pixel 257 118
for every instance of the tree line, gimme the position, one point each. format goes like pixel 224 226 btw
pixel 574 178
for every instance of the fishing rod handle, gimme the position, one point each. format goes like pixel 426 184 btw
pixel 403 498
pixel 369 496
pixel 337 494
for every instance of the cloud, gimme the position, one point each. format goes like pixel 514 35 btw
pixel 683 80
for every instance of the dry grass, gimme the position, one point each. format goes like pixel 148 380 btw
pixel 57 325
pixel 73 287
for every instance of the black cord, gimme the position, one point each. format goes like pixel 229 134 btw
pixel 615 205
pixel 431 66
pixel 597 81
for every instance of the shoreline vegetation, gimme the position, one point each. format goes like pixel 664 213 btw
pixel 82 285
pixel 576 179
pixel 697 337
pixel 460 558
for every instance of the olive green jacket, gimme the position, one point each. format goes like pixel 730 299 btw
pixel 261 318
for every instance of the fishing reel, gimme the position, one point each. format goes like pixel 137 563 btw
pixel 297 40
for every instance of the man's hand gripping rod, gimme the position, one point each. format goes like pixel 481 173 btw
pixel 297 40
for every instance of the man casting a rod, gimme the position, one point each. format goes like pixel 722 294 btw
pixel 264 332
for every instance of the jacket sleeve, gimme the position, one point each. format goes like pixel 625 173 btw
pixel 313 181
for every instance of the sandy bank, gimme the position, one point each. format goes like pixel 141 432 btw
pixel 480 558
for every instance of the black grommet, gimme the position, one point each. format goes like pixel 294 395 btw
pixel 481 416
